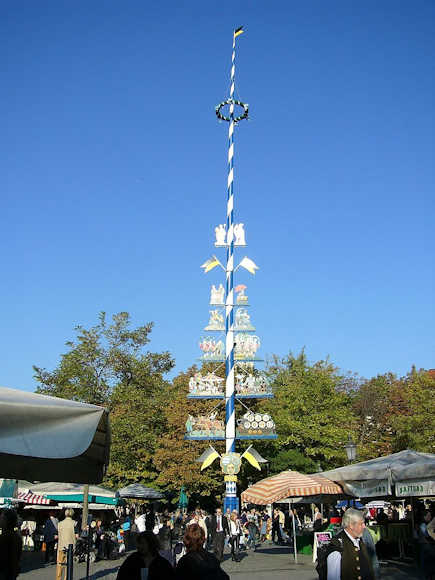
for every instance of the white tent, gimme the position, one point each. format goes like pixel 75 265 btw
pixel 49 439
pixel 406 470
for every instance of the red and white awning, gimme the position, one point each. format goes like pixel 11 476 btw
pixel 34 498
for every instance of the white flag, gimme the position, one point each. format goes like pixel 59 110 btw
pixel 249 265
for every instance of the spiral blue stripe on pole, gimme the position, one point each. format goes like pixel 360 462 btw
pixel 230 418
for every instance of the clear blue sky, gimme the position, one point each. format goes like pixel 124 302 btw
pixel 113 174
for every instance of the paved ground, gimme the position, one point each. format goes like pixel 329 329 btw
pixel 267 563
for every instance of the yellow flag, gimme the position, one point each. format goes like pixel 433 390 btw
pixel 251 459
pixel 210 264
pixel 238 31
pixel 211 457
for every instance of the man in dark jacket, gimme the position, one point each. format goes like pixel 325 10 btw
pixel 166 539
pixel 149 520
pixel 219 530
pixel 348 558
pixel 50 537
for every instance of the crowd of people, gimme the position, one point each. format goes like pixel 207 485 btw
pixel 172 535
pixel 191 545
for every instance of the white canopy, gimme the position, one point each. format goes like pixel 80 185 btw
pixel 376 476
pixel 50 439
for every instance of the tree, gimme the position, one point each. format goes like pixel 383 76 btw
pixel 372 405
pixel 414 425
pixel 292 459
pixel 106 365
pixel 175 457
pixel 396 413
pixel 312 412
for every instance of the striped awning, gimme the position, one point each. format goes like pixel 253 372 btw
pixel 34 498
pixel 288 484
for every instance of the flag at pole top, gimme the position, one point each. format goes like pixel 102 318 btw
pixel 238 31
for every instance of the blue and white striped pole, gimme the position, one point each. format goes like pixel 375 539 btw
pixel 231 500
pixel 230 418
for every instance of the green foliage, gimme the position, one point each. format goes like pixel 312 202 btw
pixel 106 365
pixel 175 457
pixel 292 459
pixel 315 408
pixel 313 414
pixel 415 426
pixel 100 358
pixel 396 413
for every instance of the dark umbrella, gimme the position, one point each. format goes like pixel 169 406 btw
pixel 139 491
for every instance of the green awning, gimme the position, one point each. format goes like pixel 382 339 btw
pixel 78 498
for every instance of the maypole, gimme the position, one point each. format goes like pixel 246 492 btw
pixel 230 417
pixel 240 346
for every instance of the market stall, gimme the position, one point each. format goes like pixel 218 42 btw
pixel 404 473
pixel 285 486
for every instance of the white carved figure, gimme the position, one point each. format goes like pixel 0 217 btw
pixel 220 295
pixel 220 232
pixel 219 349
pixel 246 346
pixel 211 384
pixel 217 295
pixel 211 348
pixel 239 233
pixel 243 319
pixel 216 320
pixel 213 295
pixel 252 384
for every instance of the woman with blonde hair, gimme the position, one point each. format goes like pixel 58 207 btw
pixel 235 533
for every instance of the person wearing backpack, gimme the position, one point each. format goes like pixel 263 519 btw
pixel 346 556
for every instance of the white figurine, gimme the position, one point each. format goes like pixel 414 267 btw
pixel 219 350
pixel 220 232
pixel 239 233
pixel 220 293
pixel 217 295
pixel 216 320
pixel 242 318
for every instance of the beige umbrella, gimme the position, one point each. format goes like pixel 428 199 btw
pixel 288 484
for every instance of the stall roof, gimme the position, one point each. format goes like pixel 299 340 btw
pixel 411 472
pixel 405 464
pixel 73 492
pixel 46 438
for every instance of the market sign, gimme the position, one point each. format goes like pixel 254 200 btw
pixel 415 487
pixel 367 488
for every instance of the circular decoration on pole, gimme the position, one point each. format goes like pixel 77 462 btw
pixel 242 116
